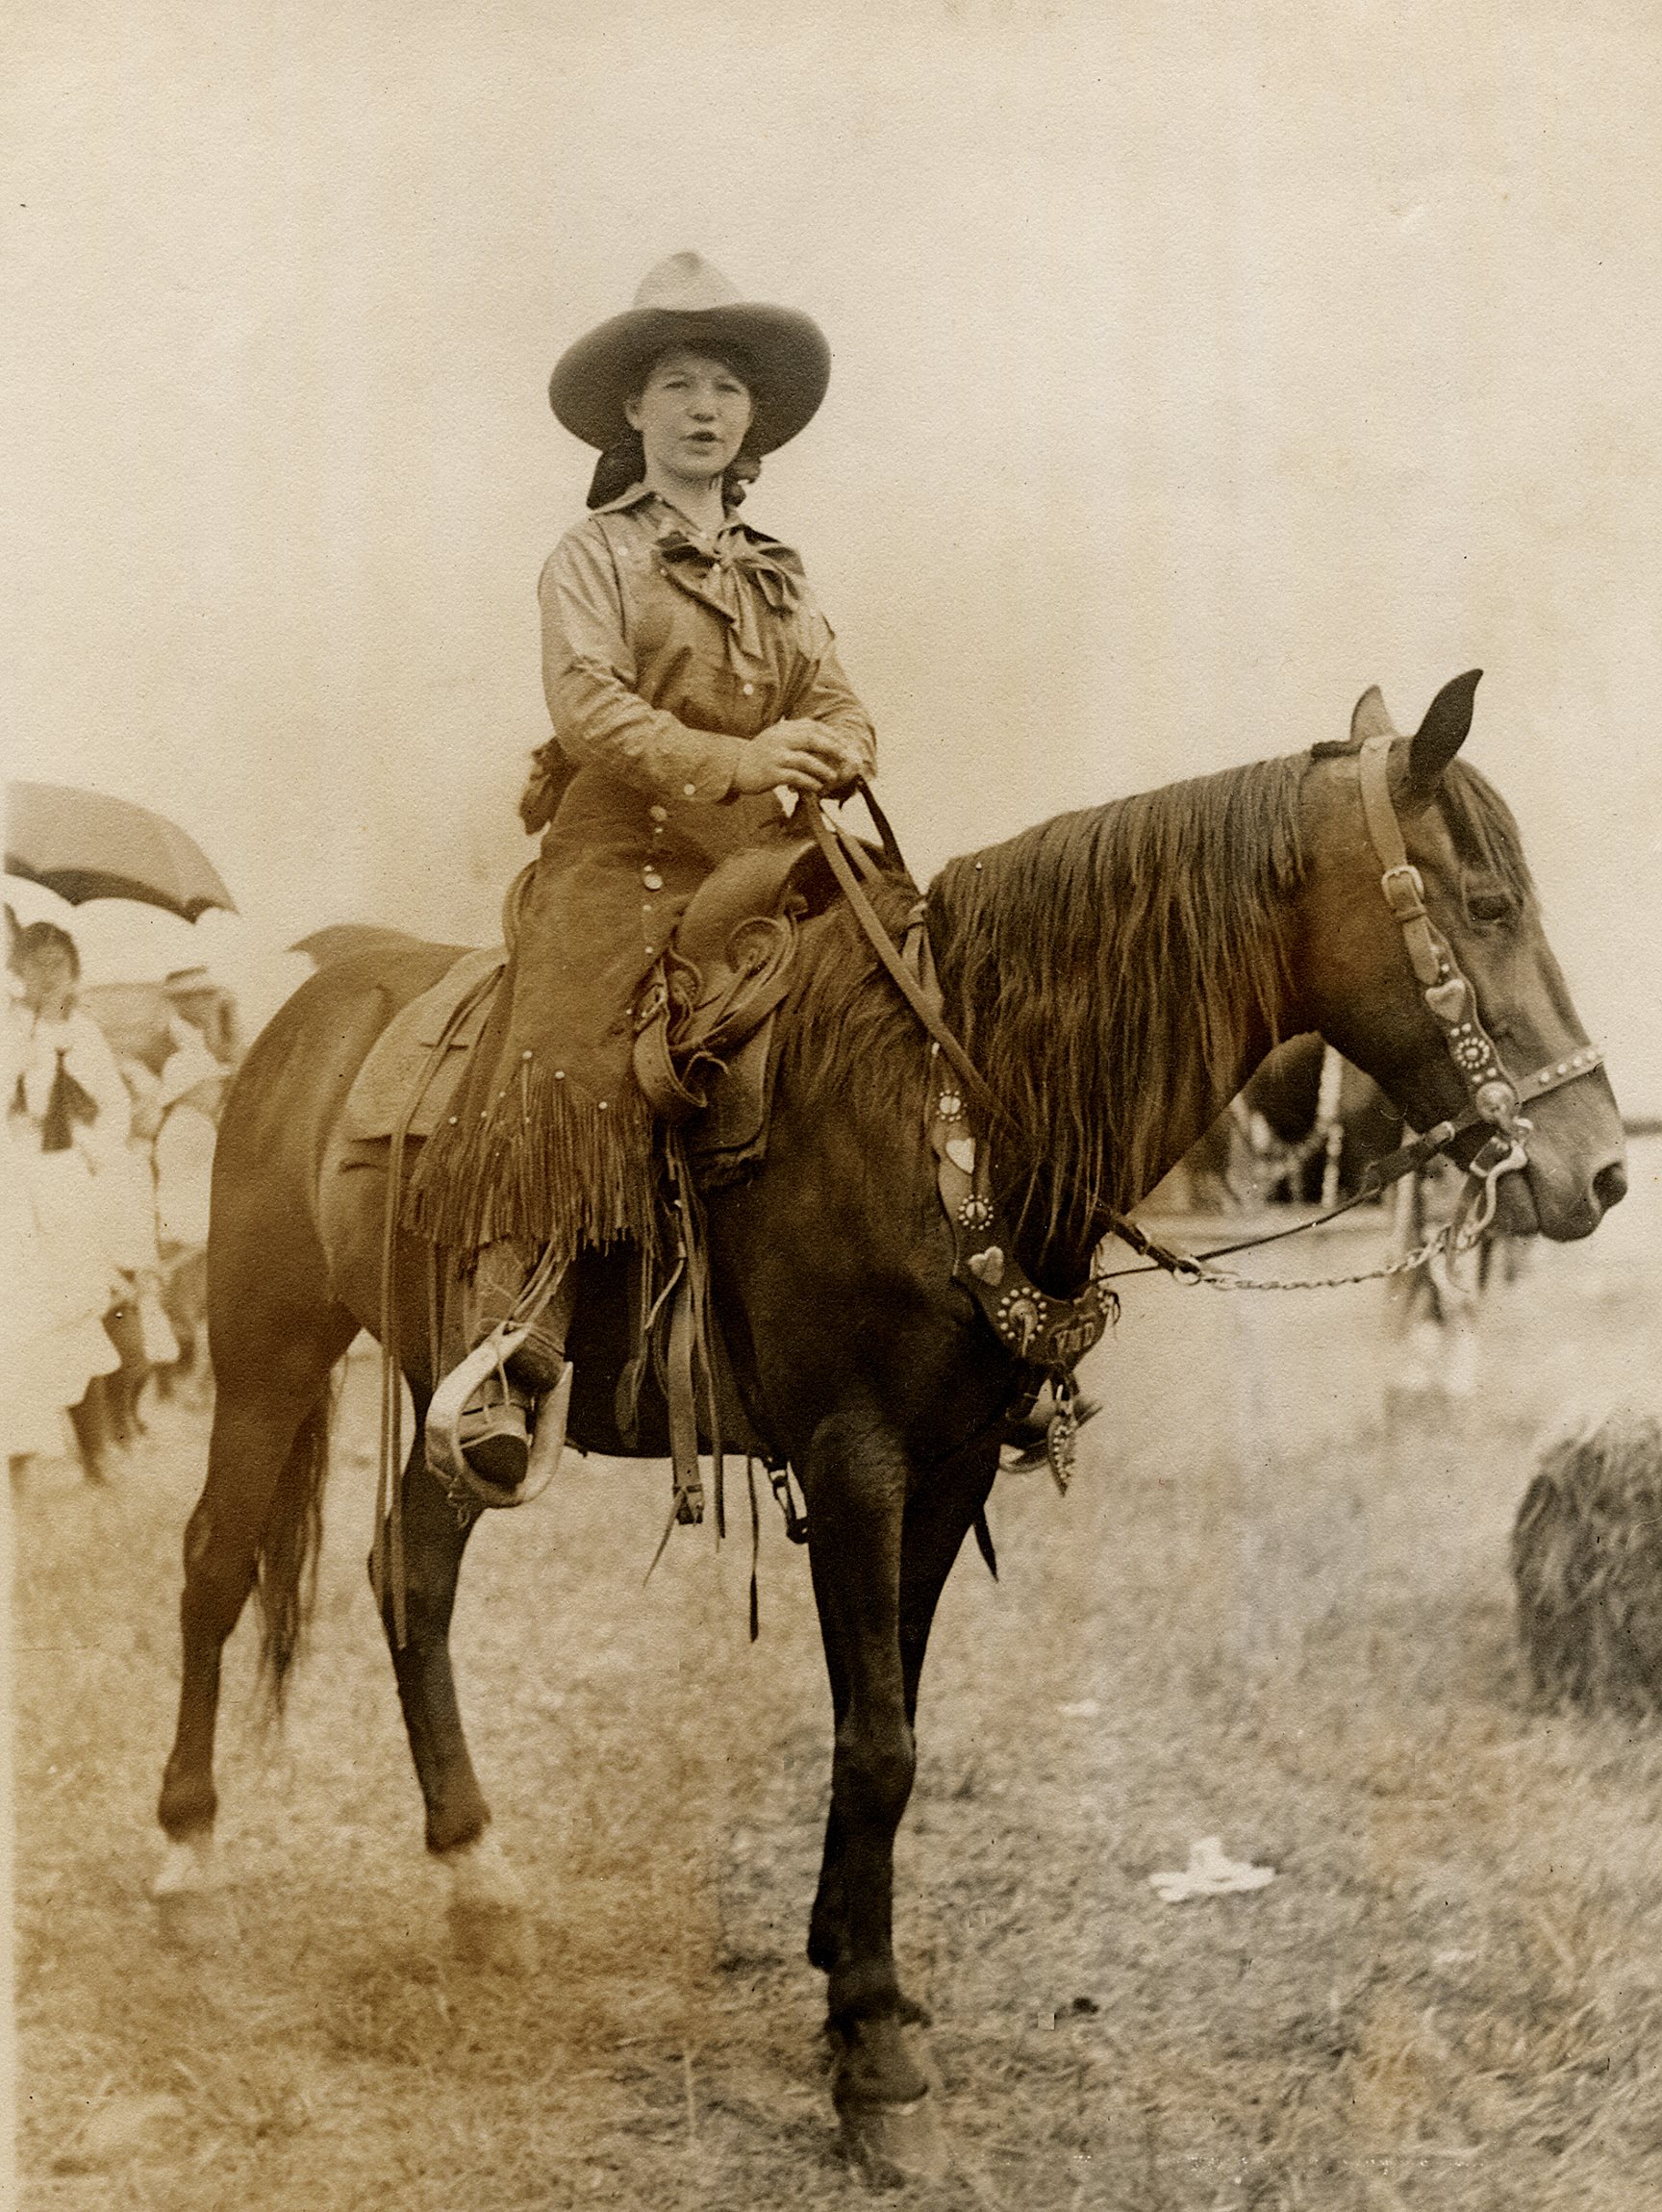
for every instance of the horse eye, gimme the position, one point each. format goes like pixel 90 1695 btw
pixel 1488 905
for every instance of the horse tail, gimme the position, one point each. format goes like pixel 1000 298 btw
pixel 286 1559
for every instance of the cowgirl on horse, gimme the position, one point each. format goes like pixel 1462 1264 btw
pixel 691 678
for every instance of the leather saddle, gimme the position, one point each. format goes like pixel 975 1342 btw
pixel 415 1066
pixel 703 1026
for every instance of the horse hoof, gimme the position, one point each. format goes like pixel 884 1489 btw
pixel 194 1910
pixel 888 2100
pixel 498 1937
pixel 197 1921
pixel 489 1925
pixel 889 2144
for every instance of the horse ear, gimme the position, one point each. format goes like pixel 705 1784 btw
pixel 1439 736
pixel 1369 717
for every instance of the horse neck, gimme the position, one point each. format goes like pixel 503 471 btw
pixel 1061 1255
pixel 1119 974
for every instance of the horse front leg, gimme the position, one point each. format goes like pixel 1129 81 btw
pixel 855 1482
pixel 490 1923
pixel 938 1515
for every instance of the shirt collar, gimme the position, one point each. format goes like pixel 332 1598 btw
pixel 641 495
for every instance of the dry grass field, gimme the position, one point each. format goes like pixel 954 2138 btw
pixel 1275 1608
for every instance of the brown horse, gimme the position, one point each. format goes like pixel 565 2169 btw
pixel 1116 975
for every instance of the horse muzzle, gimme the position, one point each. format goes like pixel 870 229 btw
pixel 1561 1206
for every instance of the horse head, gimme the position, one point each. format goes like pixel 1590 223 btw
pixel 1428 967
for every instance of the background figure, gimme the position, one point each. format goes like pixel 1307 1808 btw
pixel 207 1007
pixel 187 1108
pixel 1436 1304
pixel 69 1210
pixel 46 1357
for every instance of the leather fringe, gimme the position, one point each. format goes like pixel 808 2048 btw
pixel 545 1167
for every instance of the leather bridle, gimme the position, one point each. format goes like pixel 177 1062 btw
pixel 1494 1097
pixel 1051 1333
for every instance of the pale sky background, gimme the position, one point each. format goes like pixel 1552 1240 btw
pixel 1194 367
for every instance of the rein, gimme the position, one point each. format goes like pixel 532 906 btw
pixel 1048 1334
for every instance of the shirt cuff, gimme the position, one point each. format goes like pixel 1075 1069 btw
pixel 711 781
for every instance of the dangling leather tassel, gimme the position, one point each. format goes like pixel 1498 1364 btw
pixel 755 1547
pixel 984 1543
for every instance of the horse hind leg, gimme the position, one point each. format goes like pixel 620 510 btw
pixel 257 1521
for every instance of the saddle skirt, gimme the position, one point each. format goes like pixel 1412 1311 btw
pixel 406 1072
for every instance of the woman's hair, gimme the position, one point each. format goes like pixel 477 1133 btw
pixel 624 463
pixel 41 937
pixel 740 472
pixel 618 467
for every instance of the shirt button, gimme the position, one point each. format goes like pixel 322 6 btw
pixel 658 814
pixel 747 688
pixel 652 880
pixel 691 789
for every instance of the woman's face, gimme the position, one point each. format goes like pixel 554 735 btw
pixel 692 414
pixel 48 979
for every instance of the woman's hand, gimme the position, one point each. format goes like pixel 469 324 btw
pixel 803 756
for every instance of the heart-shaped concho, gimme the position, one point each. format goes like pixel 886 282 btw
pixel 1449 1001
pixel 988 1267
pixel 961 1151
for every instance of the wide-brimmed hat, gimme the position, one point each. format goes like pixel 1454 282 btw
pixel 188 983
pixel 685 301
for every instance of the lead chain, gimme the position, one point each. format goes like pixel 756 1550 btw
pixel 1226 1279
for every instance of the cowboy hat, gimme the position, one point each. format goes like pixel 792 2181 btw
pixel 685 301
pixel 188 983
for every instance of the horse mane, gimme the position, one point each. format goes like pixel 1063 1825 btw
pixel 1107 970
pixel 1103 969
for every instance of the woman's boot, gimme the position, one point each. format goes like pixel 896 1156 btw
pixel 497 1420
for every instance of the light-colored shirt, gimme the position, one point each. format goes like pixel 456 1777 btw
pixel 33 1061
pixel 183 1175
pixel 663 651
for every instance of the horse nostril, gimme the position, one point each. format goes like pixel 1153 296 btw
pixel 1610 1185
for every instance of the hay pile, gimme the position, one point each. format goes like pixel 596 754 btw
pixel 1587 1562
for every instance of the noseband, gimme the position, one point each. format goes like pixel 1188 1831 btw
pixel 1493 1096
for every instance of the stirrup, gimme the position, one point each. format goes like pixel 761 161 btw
pixel 547 1436
pixel 442 1432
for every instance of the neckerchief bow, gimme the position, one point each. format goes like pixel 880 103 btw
pixel 718 579
pixel 67 1104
